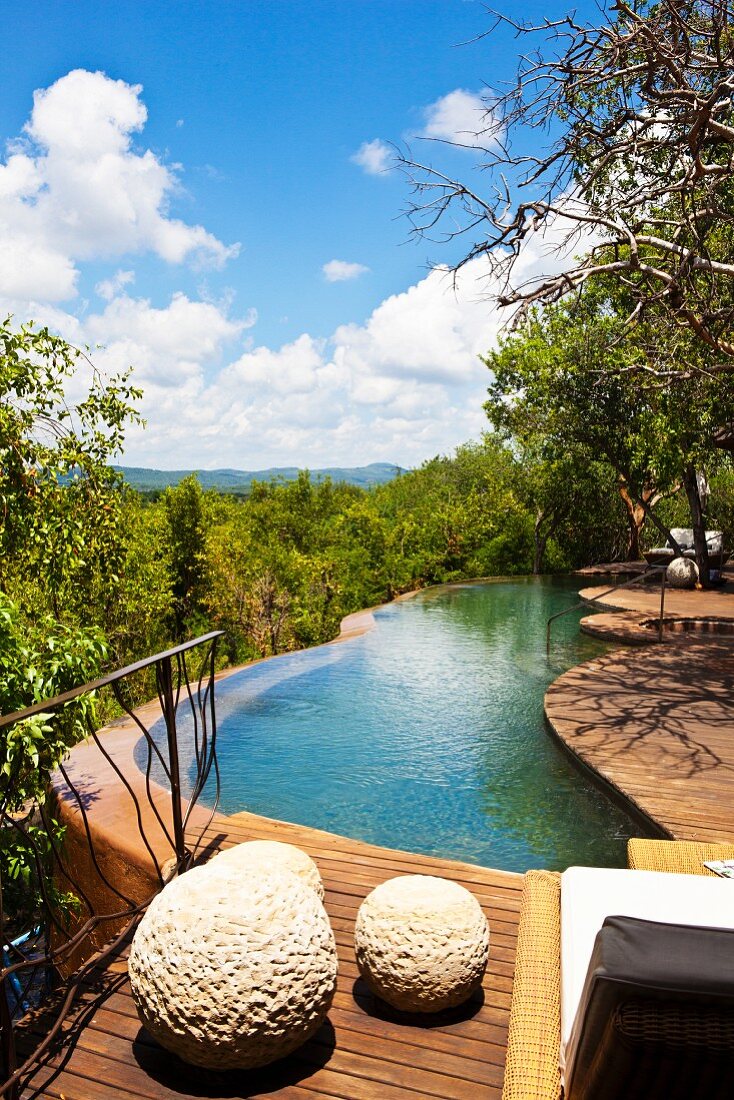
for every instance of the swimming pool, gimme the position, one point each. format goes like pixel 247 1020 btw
pixel 427 733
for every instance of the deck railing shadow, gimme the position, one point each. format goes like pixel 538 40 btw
pixel 82 895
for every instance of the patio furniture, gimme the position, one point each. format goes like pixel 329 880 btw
pixel 687 857
pixel 233 972
pixel 534 1040
pixel 421 943
pixel 663 555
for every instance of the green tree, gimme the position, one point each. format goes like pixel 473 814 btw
pixel 60 504
pixel 185 512
pixel 565 378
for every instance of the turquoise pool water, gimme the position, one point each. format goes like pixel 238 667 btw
pixel 427 733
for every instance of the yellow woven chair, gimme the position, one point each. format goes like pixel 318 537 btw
pixel 684 857
pixel 534 1036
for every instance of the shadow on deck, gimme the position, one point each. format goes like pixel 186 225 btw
pixel 363 1052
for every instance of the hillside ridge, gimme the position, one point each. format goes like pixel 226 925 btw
pixel 226 480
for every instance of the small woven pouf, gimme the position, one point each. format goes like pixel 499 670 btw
pixel 422 943
pixel 233 974
pixel 268 855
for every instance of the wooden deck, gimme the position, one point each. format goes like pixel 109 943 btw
pixel 658 724
pixel 713 603
pixel 363 1052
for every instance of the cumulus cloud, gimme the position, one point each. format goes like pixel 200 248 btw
pixel 406 383
pixel 373 156
pixel 339 271
pixel 169 346
pixel 108 288
pixel 73 188
pixel 460 117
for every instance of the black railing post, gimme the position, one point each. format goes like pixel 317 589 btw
pixel 7 1035
pixel 165 674
pixel 662 605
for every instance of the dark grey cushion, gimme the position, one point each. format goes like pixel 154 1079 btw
pixel 656 1016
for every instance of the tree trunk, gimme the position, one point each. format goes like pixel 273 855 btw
pixel 690 482
pixel 540 544
pixel 635 522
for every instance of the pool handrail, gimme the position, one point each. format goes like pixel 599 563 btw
pixel 645 575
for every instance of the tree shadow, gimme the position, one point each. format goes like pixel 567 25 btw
pixel 670 704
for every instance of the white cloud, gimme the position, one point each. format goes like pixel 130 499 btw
pixel 108 288
pixel 73 188
pixel 169 347
pixel 460 117
pixel 338 271
pixel 374 157
pixel 405 384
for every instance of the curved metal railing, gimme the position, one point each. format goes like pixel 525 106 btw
pixel 81 900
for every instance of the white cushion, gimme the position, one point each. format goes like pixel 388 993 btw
pixel 590 894
pixel 683 536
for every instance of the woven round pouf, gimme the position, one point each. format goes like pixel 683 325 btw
pixel 268 855
pixel 421 943
pixel 233 974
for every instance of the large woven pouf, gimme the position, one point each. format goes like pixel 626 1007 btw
pixel 422 943
pixel 233 974
pixel 268 855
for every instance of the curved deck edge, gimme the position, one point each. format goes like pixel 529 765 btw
pixel 654 729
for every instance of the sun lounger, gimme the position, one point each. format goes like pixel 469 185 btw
pixel 635 1033
pixel 663 555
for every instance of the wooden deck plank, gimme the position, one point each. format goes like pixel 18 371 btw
pixel 658 724
pixel 364 1052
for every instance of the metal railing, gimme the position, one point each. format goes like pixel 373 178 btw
pixel 640 578
pixel 82 897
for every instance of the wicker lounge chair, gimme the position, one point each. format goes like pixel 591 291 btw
pixel 663 555
pixel 532 1071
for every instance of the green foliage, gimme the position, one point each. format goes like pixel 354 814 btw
pixel 37 661
pixel 63 551
pixel 564 386
pixel 184 509
pixel 59 499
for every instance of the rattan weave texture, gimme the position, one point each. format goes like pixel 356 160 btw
pixel 535 1017
pixel 683 857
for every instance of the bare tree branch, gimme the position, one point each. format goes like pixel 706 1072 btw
pixel 641 176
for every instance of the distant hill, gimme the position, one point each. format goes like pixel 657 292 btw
pixel 239 481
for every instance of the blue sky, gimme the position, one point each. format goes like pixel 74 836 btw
pixel 189 192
